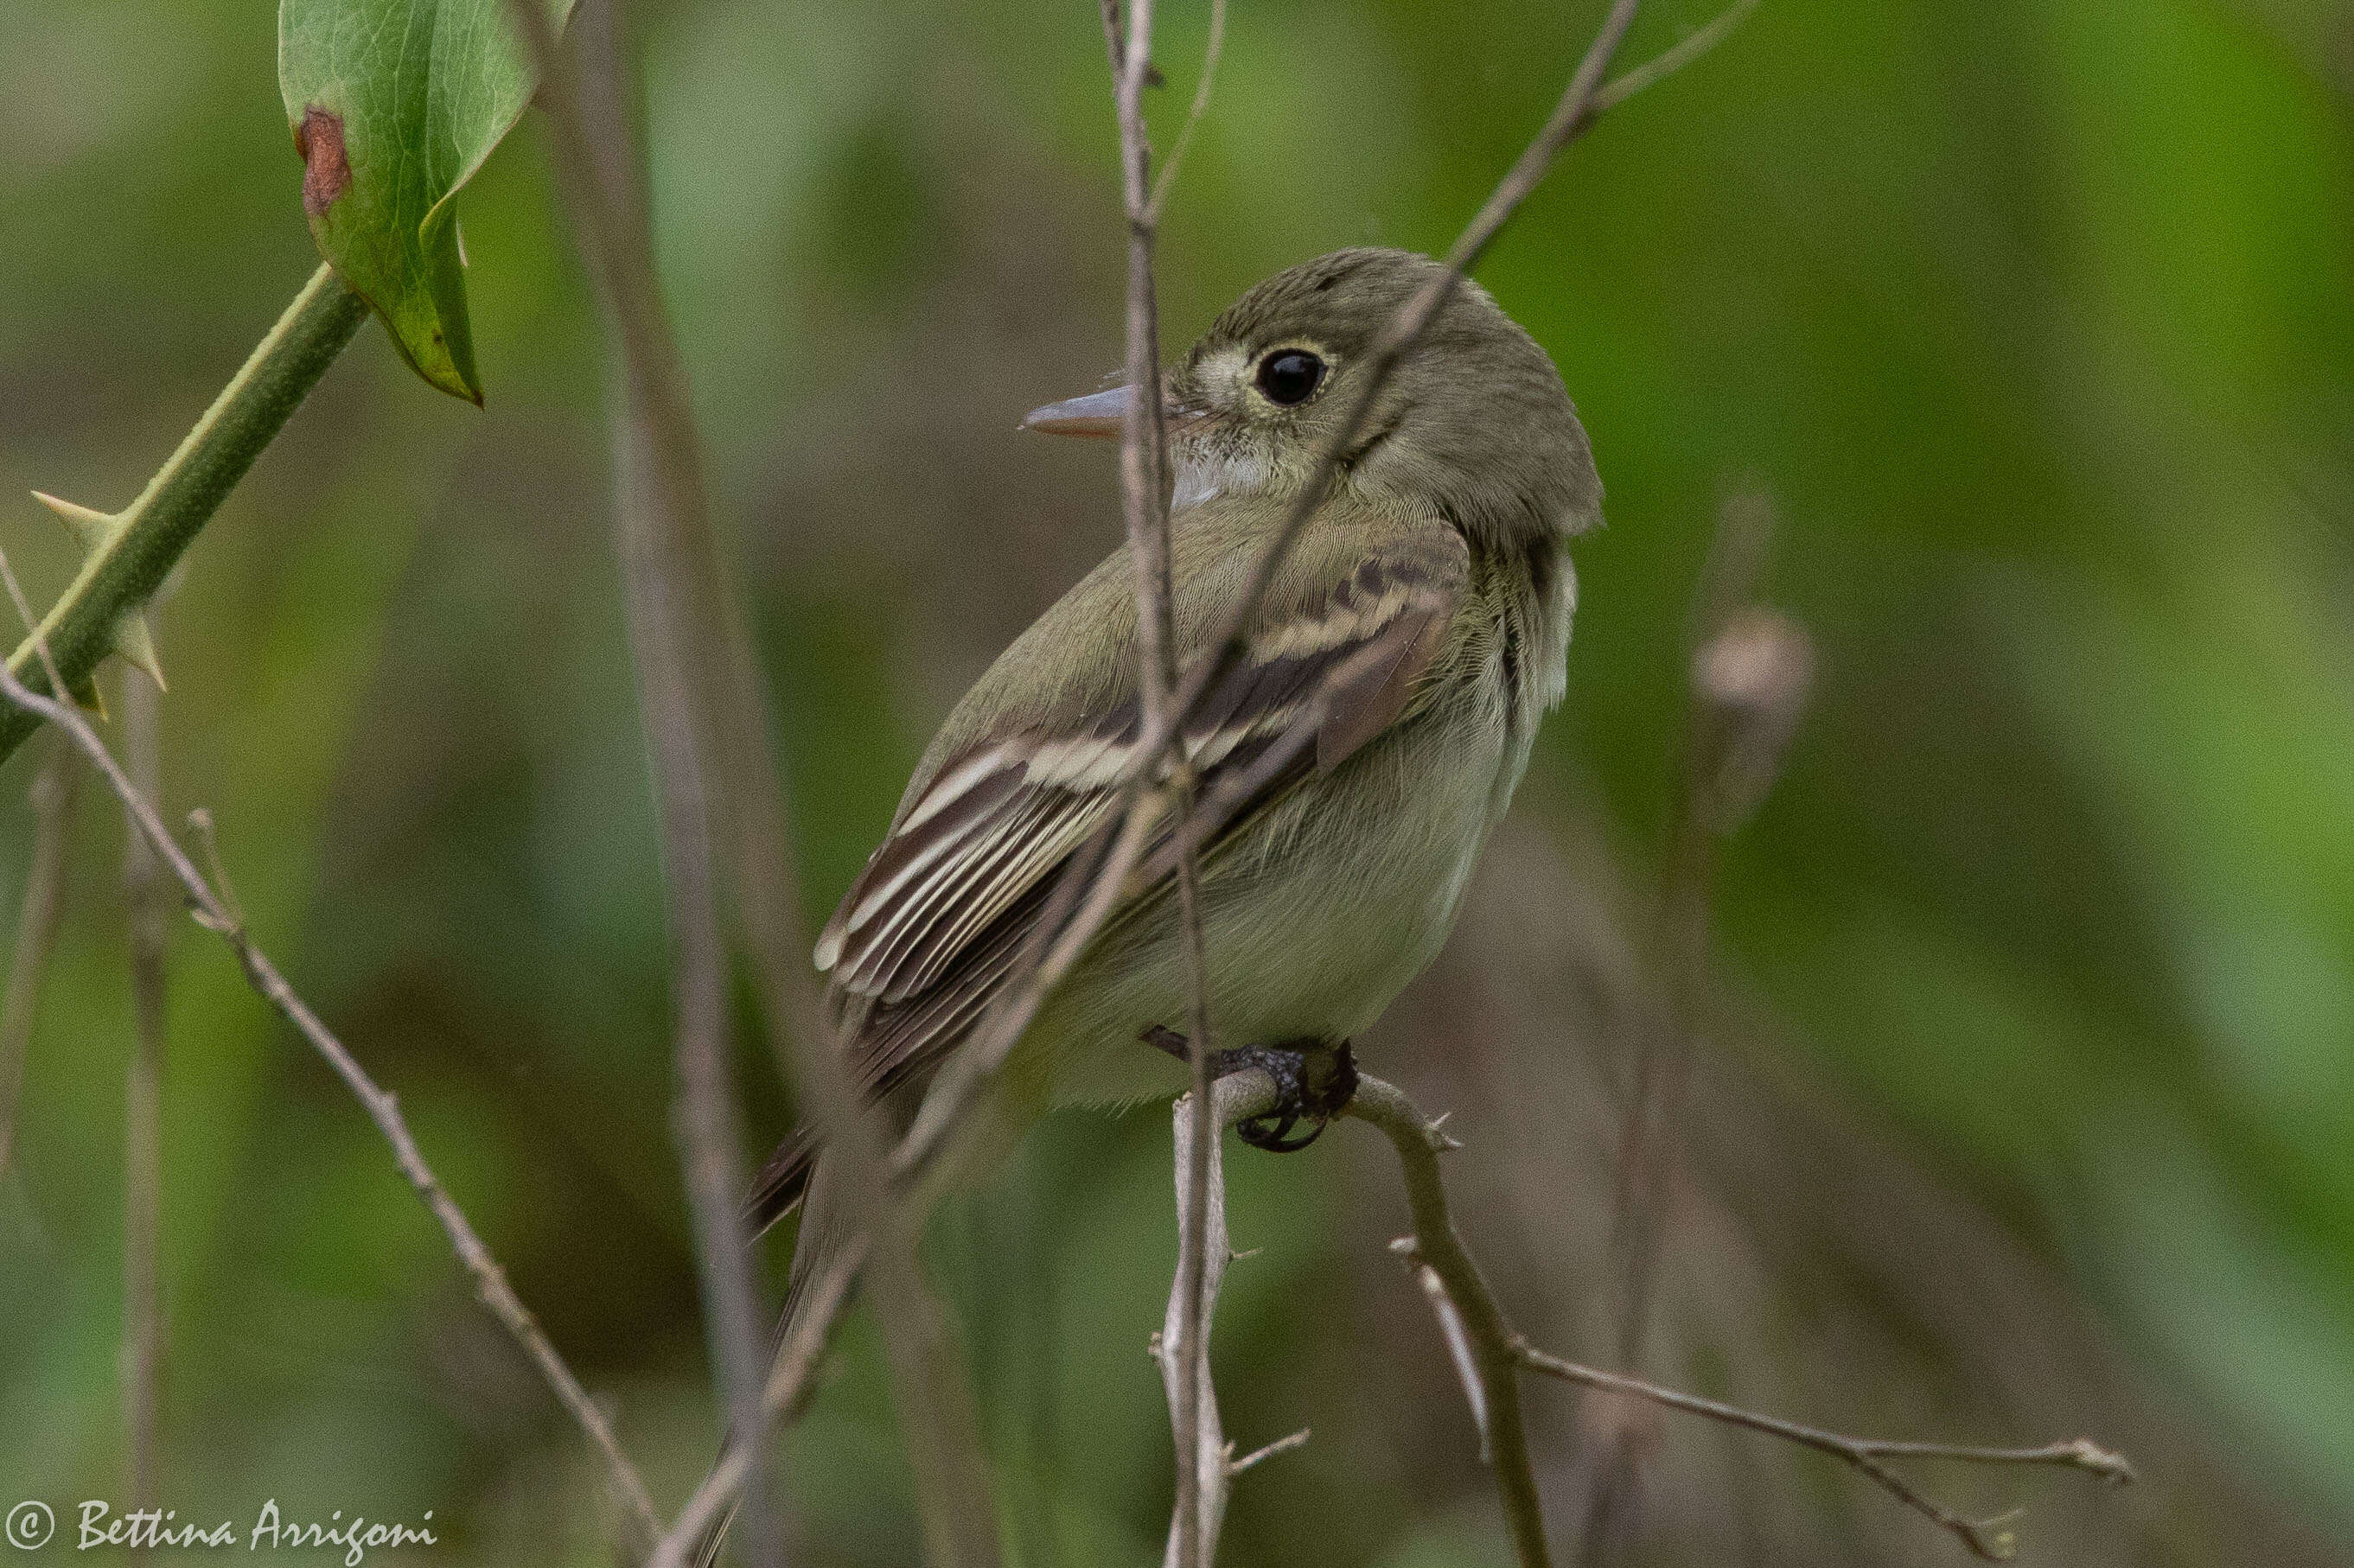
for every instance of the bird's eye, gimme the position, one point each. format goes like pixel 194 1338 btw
pixel 1290 376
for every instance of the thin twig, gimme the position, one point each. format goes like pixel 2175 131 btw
pixel 1201 1258
pixel 791 1377
pixel 659 511
pixel 1210 55
pixel 52 799
pixel 1497 1352
pixel 744 801
pixel 1990 1538
pixel 1665 63
pixel 1258 1457
pixel 1144 492
pixel 1438 1249
pixel 215 914
pixel 150 917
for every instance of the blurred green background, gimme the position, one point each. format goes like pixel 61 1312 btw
pixel 2029 1105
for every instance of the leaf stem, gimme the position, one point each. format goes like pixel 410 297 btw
pixel 143 541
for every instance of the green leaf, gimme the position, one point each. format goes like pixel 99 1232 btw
pixel 394 105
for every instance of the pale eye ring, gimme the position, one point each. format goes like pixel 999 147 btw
pixel 1289 377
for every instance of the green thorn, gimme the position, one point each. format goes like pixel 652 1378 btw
pixel 90 528
pixel 136 643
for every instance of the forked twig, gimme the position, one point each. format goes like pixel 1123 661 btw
pixel 1211 54
pixel 215 914
pixel 1497 1352
pixel 1482 1341
pixel 1202 1254
pixel 1144 494
pixel 1988 1538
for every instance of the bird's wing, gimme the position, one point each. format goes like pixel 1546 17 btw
pixel 1032 763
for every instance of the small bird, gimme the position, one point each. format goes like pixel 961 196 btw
pixel 1419 623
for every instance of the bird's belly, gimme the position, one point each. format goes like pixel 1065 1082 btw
pixel 1311 938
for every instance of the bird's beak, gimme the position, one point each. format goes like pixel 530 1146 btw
pixel 1099 415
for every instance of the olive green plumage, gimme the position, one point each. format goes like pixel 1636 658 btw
pixel 1406 651
pixel 1398 668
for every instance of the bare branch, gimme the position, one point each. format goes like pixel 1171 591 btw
pixel 1438 1250
pixel 1257 1456
pixel 791 1376
pixel 52 798
pixel 1670 62
pixel 1144 491
pixel 215 914
pixel 1496 1353
pixel 1990 1539
pixel 1202 1258
pixel 1211 52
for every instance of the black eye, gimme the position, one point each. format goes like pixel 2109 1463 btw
pixel 1291 375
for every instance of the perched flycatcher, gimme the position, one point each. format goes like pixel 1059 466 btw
pixel 1419 623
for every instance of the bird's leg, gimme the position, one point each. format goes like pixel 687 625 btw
pixel 1314 1081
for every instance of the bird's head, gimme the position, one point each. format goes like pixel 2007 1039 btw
pixel 1473 421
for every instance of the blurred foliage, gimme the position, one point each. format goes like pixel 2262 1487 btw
pixel 2033 1106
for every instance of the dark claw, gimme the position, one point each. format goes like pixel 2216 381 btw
pixel 1312 1081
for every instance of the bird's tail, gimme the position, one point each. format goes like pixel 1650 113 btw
pixel 794 1177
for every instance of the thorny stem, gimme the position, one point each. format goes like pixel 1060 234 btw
pixel 129 563
pixel 1496 1353
pixel 215 914
pixel 52 798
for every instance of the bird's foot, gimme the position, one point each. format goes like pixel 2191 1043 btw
pixel 1314 1082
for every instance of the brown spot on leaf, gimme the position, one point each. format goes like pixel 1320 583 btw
pixel 326 173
